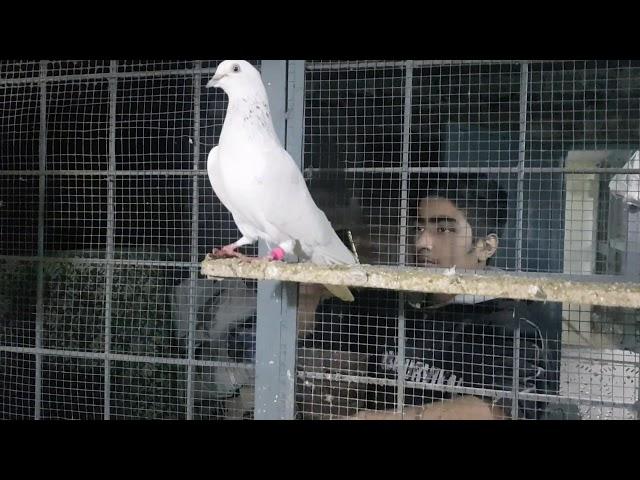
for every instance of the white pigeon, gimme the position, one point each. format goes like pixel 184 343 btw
pixel 260 184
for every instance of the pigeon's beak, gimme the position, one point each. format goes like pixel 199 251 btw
pixel 214 80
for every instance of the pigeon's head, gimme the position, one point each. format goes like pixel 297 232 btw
pixel 236 77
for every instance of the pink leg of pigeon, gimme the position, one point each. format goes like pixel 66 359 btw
pixel 276 254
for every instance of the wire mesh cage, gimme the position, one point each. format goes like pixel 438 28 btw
pixel 105 214
pixel 443 157
pixel 526 168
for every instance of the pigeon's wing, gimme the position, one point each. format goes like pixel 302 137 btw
pixel 214 177
pixel 289 207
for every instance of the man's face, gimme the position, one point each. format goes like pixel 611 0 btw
pixel 444 237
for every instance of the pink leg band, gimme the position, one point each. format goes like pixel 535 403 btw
pixel 277 254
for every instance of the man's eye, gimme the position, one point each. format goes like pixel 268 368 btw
pixel 445 230
pixel 420 229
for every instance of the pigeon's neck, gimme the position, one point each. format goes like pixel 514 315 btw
pixel 250 114
pixel 248 102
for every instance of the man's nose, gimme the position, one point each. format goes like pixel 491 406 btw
pixel 425 240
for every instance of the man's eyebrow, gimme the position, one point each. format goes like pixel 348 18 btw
pixel 442 219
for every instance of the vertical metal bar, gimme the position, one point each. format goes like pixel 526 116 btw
pixel 516 370
pixel 197 87
pixel 404 194
pixel 522 143
pixel 294 143
pixel 108 288
pixel 277 301
pixel 42 166
pixel 406 133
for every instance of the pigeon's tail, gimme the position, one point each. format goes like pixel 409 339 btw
pixel 340 291
pixel 336 253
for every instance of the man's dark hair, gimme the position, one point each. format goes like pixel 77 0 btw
pixel 481 200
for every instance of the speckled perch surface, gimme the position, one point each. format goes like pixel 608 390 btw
pixel 415 279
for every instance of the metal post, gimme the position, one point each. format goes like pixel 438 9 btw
pixel 406 138
pixel 42 166
pixel 108 288
pixel 277 301
pixel 522 144
pixel 516 370
pixel 197 87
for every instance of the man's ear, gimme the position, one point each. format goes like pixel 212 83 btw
pixel 486 247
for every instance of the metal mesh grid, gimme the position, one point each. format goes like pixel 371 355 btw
pixel 106 211
pixel 148 390
pixel 77 67
pixel 19 127
pixel 77 125
pixel 76 213
pixel 154 125
pixel 18 303
pixel 19 69
pixel 158 65
pixel 19 214
pixel 153 212
pixel 18 385
pixel 72 388
pixel 528 148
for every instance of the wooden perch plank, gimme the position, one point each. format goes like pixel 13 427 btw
pixel 415 279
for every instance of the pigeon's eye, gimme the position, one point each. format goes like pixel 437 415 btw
pixel 236 68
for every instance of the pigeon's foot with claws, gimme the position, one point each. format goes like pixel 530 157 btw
pixel 228 251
